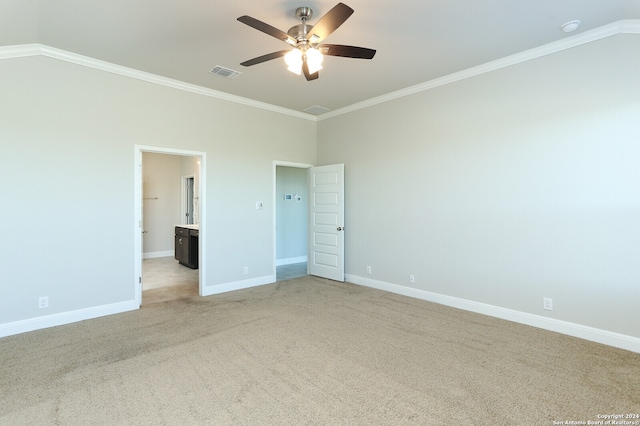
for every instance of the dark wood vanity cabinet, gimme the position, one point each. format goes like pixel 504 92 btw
pixel 186 246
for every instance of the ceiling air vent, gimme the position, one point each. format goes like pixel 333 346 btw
pixel 316 110
pixel 225 72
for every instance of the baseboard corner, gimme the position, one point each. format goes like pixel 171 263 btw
pixel 593 334
pixel 238 285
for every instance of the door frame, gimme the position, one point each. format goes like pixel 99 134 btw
pixel 277 164
pixel 185 196
pixel 137 213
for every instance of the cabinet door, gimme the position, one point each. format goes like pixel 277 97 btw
pixel 193 252
pixel 182 249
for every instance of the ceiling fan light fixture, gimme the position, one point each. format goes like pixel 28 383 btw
pixel 314 60
pixel 293 60
pixel 307 54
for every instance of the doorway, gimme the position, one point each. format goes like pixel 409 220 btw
pixel 189 200
pixel 159 207
pixel 291 202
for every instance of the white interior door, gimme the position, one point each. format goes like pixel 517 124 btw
pixel 326 222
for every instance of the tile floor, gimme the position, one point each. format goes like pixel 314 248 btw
pixel 163 278
pixel 166 272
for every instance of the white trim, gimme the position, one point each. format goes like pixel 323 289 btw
pixel 154 254
pixel 630 26
pixel 291 260
pixel 19 51
pixel 593 334
pixel 290 164
pixel 238 285
pixel 63 318
pixel 137 225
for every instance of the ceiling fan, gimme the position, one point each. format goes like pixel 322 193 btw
pixel 306 55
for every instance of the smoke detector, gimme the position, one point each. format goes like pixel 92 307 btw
pixel 570 26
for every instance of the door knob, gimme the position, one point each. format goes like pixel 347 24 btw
pixel 340 228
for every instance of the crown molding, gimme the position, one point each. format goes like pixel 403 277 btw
pixel 26 50
pixel 630 26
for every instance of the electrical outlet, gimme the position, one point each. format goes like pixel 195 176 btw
pixel 368 270
pixel 412 278
pixel 246 270
pixel 43 302
pixel 547 303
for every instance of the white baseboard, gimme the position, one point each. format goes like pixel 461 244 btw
pixel 572 329
pixel 593 334
pixel 238 285
pixel 62 318
pixel 291 260
pixel 154 254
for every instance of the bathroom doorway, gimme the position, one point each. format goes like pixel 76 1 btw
pixel 168 181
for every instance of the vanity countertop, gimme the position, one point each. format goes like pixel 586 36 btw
pixel 190 226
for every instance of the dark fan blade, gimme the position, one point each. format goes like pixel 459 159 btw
pixel 264 58
pixel 267 29
pixel 346 51
pixel 329 23
pixel 305 70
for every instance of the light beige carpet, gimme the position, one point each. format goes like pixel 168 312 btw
pixel 309 352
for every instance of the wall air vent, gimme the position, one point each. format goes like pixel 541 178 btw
pixel 225 72
pixel 316 110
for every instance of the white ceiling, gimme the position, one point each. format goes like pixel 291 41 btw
pixel 416 40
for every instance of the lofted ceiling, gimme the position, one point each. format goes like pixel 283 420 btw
pixel 416 40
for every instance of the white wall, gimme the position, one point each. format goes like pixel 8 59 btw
pixel 162 196
pixel 504 188
pixel 68 136
pixel 291 215
pixel 162 199
pixel 497 190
